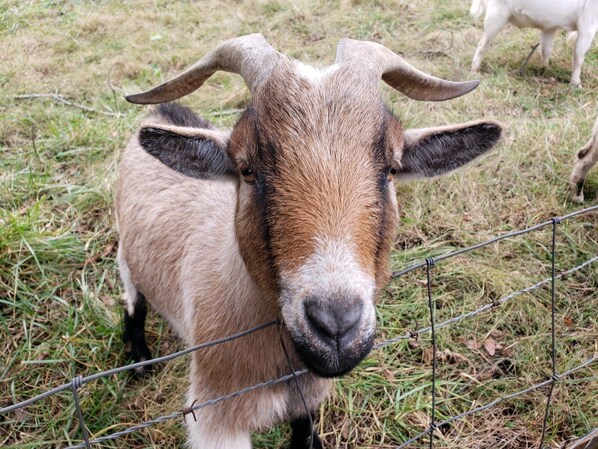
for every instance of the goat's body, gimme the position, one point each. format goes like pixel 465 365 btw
pixel 291 215
pixel 541 14
pixel 585 159
pixel 580 16
pixel 206 293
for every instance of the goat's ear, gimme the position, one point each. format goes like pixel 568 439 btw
pixel 430 152
pixel 195 152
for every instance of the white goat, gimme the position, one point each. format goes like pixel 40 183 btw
pixel 585 159
pixel 580 16
pixel 290 216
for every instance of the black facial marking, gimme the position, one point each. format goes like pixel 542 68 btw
pixel 264 191
pixel 134 335
pixel 379 143
pixel 381 163
pixel 190 156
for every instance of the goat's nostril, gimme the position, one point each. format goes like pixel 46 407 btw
pixel 332 320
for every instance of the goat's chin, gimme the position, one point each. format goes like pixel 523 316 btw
pixel 332 363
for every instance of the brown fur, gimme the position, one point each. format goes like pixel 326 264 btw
pixel 341 200
pixel 211 255
pixel 307 124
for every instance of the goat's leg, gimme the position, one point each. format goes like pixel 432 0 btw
pixel 494 21
pixel 582 45
pixel 586 158
pixel 134 334
pixel 546 40
pixel 302 433
pixel 202 437
pixel 134 319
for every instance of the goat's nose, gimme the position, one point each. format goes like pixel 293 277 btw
pixel 333 320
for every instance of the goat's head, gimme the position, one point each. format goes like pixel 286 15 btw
pixel 315 154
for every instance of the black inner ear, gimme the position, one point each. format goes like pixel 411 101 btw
pixel 441 152
pixel 191 156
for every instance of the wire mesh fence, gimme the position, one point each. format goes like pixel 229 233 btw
pixel 547 385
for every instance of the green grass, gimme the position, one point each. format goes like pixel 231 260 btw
pixel 59 289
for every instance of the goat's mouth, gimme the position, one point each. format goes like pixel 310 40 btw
pixel 332 360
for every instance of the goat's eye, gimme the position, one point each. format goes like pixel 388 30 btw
pixel 391 173
pixel 248 174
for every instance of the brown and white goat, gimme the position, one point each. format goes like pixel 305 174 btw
pixel 585 159
pixel 290 215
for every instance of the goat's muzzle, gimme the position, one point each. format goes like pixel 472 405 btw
pixel 335 336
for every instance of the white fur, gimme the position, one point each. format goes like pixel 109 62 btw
pixel 130 293
pixel 547 15
pixel 332 269
pixel 210 438
pixel 314 74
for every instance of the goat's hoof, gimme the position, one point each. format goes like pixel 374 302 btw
pixel 577 198
pixel 140 371
pixel 316 444
pixel 576 84
pixel 576 192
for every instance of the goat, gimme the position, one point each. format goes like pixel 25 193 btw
pixel 580 16
pixel 585 159
pixel 290 216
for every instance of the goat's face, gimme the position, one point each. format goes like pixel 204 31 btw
pixel 317 210
pixel 314 155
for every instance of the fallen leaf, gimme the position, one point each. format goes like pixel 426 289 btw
pixel 568 321
pixel 473 345
pixel 490 346
pixel 389 375
pixel 345 431
pixel 22 415
pixel 108 249
pixel 428 355
pixel 449 356
pixel 93 259
pixel 486 373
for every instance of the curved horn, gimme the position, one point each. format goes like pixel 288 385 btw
pixel 380 62
pixel 250 56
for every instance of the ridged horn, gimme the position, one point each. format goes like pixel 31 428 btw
pixel 380 62
pixel 249 56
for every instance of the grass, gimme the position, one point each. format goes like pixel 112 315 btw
pixel 59 290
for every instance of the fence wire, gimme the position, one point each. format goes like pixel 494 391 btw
pixel 78 381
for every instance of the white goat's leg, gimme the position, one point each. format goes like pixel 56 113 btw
pixel 213 428
pixel 586 158
pixel 494 21
pixel 546 40
pixel 201 437
pixel 582 45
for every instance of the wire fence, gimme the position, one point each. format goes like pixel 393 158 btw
pixel 549 384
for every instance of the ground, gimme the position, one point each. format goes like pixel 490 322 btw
pixel 60 312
